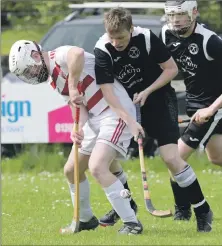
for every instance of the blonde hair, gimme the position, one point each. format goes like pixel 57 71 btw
pixel 118 19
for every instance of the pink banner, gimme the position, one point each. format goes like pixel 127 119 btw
pixel 60 124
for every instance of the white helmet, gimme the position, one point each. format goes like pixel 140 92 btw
pixel 180 7
pixel 24 66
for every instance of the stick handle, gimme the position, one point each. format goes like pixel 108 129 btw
pixel 141 156
pixel 138 113
pixel 76 168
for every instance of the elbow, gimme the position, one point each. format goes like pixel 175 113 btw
pixel 76 52
pixel 80 52
pixel 105 91
pixel 174 70
pixel 108 94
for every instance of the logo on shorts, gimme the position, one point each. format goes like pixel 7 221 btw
pixel 193 48
pixel 134 52
pixel 194 139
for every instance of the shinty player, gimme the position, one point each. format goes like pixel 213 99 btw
pixel 198 54
pixel 103 137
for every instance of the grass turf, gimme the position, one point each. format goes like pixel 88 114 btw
pixel 36 204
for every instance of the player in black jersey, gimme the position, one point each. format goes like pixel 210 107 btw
pixel 136 58
pixel 198 54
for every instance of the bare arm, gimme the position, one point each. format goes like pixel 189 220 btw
pixel 170 70
pixel 116 106
pixel 77 137
pixel 83 115
pixel 114 102
pixel 217 104
pixel 75 63
pixel 214 49
pixel 204 114
pixel 161 56
pixel 105 79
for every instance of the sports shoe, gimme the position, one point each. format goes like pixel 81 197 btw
pixel 131 228
pixel 112 217
pixel 204 222
pixel 182 213
pixel 89 225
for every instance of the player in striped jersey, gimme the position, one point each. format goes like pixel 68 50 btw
pixel 103 137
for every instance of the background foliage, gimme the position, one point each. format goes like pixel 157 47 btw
pixel 32 19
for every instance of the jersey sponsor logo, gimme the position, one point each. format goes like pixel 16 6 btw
pixel 176 44
pixel 127 74
pixel 187 65
pixel 193 48
pixel 134 52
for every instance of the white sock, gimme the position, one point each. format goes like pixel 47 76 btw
pixel 121 205
pixel 85 211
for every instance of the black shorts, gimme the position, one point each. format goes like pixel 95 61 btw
pixel 160 118
pixel 196 134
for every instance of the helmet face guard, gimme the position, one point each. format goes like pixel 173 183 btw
pixel 179 15
pixel 34 75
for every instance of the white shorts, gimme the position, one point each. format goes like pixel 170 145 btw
pixel 107 128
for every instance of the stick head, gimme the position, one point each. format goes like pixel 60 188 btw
pixel 157 213
pixel 75 226
pixel 162 213
pixel 71 229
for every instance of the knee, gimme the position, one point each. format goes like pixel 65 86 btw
pixel 171 159
pixel 95 170
pixel 68 169
pixel 174 162
pixel 98 171
pixel 217 160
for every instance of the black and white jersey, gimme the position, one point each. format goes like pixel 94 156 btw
pixel 199 57
pixel 137 66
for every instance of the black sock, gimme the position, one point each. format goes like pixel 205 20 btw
pixel 122 177
pixel 188 181
pixel 126 186
pixel 132 202
pixel 180 196
pixel 196 196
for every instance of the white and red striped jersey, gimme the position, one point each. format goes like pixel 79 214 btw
pixel 93 98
